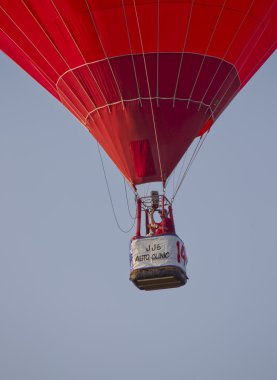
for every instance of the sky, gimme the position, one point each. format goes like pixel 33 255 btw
pixel 67 307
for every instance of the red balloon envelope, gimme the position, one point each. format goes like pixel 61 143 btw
pixel 144 76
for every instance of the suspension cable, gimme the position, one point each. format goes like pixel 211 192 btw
pixel 127 200
pixel 109 192
pixel 149 91
pixel 194 155
pixel 180 172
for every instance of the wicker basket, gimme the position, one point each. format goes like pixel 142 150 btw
pixel 158 277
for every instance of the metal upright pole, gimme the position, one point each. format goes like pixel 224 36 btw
pixel 138 217
pixel 146 221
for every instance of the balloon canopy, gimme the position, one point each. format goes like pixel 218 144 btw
pixel 144 76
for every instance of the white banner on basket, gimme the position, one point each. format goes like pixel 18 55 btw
pixel 158 251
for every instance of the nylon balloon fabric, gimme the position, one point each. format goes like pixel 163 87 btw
pixel 145 77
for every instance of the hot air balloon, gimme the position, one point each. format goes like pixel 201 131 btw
pixel 146 78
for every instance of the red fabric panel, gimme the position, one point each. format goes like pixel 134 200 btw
pixel 143 159
pixel 126 68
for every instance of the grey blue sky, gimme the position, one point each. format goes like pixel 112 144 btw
pixel 68 310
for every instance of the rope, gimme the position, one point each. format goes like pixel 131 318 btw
pixel 181 170
pixel 110 196
pixel 81 54
pixel 183 50
pixel 40 53
pixel 158 50
pixel 127 200
pixel 105 53
pixel 255 38
pixel 206 51
pixel 149 91
pixel 252 72
pixel 173 180
pixel 225 55
pixel 194 155
pixel 131 51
